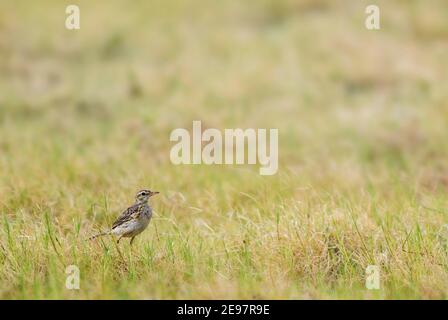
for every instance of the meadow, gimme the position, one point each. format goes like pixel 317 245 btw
pixel 85 120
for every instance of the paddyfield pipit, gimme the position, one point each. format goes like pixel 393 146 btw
pixel 134 219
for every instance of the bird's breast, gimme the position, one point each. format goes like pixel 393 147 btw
pixel 147 213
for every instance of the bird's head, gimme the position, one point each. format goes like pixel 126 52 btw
pixel 144 195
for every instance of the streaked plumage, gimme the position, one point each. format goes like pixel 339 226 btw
pixel 134 219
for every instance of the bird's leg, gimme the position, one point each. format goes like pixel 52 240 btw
pixel 132 240
pixel 118 241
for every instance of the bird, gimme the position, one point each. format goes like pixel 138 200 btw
pixel 134 219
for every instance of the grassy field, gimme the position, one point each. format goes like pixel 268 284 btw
pixel 85 119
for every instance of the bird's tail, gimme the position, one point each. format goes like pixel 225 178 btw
pixel 100 235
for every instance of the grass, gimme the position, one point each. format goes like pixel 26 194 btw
pixel 85 118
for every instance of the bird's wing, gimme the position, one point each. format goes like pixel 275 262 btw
pixel 126 215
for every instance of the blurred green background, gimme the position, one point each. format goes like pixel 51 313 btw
pixel 85 118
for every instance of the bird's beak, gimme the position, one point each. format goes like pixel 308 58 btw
pixel 154 193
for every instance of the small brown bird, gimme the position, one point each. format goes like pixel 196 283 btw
pixel 134 219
